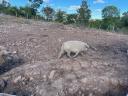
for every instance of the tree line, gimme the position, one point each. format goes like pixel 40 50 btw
pixel 111 18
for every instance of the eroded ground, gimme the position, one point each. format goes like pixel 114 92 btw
pixel 101 72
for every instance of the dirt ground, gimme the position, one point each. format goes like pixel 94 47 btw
pixel 101 72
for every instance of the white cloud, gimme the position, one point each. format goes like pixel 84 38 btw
pixel 98 10
pixel 98 1
pixel 68 9
pixel 46 1
pixel 73 7
pixel 2 1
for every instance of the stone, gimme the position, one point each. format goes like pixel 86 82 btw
pixel 58 83
pixel 17 79
pixel 84 64
pixel 2 84
pixel 90 94
pixel 84 80
pixel 67 67
pixel 114 81
pixel 45 78
pixel 76 66
pixel 70 76
pixel 52 73
pixel 4 94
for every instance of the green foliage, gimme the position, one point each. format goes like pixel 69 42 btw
pixel 9 10
pixel 110 12
pixel 124 19
pixel 27 12
pixel 48 11
pixel 4 3
pixel 111 23
pixel 35 3
pixel 3 6
pixel 95 24
pixel 13 11
pixel 84 13
pixel 60 16
pixel 124 23
pixel 71 18
pixel 111 18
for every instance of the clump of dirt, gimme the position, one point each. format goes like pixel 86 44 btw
pixel 101 72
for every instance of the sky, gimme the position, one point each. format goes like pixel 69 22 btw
pixel 70 6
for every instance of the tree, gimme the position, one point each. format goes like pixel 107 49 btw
pixel 35 3
pixel 95 24
pixel 111 18
pixel 4 5
pixel 84 13
pixel 124 19
pixel 110 12
pixel 12 11
pixel 27 12
pixel 33 6
pixel 48 11
pixel 60 16
pixel 71 18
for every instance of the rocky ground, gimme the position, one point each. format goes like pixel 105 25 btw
pixel 101 72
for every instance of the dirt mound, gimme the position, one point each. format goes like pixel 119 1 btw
pixel 103 72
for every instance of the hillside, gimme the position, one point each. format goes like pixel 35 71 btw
pixel 101 72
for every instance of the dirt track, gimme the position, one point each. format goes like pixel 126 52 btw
pixel 97 73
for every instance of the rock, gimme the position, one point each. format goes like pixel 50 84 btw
pixel 52 73
pixel 67 67
pixel 58 83
pixel 31 78
pixel 16 58
pixel 22 79
pixel 106 64
pixel 90 94
pixel 84 64
pixel 84 80
pixel 4 94
pixel 70 76
pixel 14 52
pixel 114 81
pixel 17 79
pixel 46 90
pixel 45 78
pixel 95 63
pixel 13 58
pixel 76 66
pixel 73 86
pixel 2 84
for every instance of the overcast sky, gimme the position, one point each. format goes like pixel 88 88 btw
pixel 70 6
